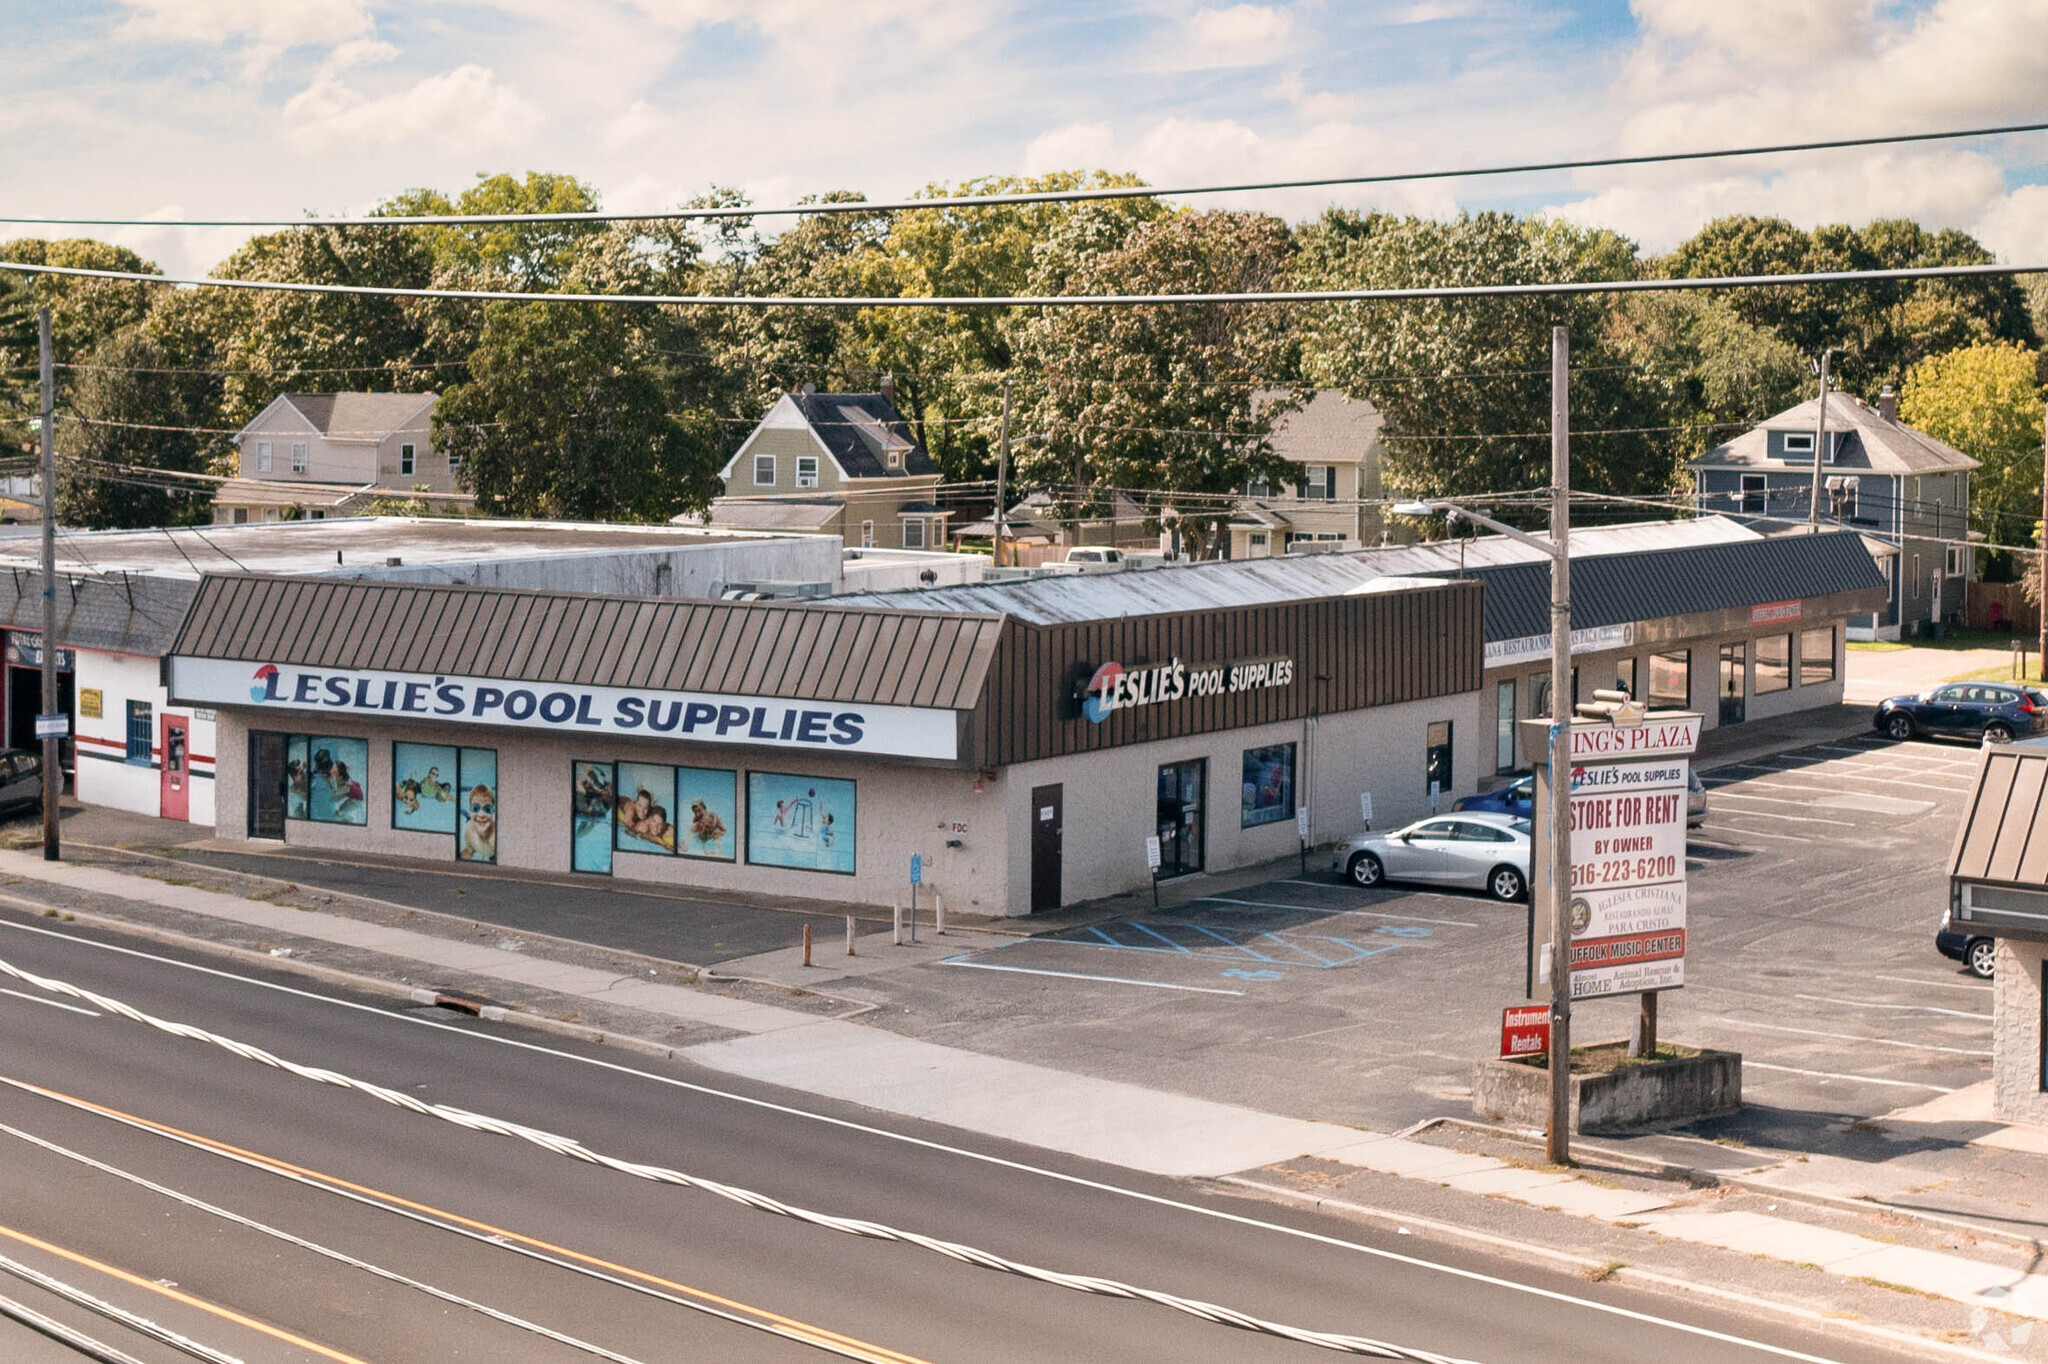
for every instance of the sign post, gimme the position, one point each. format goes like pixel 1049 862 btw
pixel 916 880
pixel 1301 832
pixel 1365 808
pixel 1152 861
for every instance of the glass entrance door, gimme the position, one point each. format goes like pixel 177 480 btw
pixel 1733 670
pixel 1181 787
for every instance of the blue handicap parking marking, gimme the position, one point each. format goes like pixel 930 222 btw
pixel 1269 947
pixel 1403 930
pixel 1239 973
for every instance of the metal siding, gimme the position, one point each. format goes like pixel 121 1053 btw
pixel 1980 832
pixel 2016 821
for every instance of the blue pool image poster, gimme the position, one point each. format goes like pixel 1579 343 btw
pixel 646 808
pixel 1268 785
pixel 423 780
pixel 705 812
pixel 337 771
pixel 591 811
pixel 298 778
pixel 477 788
pixel 807 823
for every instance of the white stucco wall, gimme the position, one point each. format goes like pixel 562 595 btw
pixel 2016 1033
pixel 104 775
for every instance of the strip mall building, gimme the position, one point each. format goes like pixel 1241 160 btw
pixel 1026 741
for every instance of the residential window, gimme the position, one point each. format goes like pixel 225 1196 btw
pixel 895 459
pixel 1504 727
pixel 299 461
pixel 1671 680
pixel 867 535
pixel 262 456
pixel 454 460
pixel 405 459
pixel 1816 656
pixel 1798 445
pixel 317 514
pixel 1755 494
pixel 1318 482
pixel 141 732
pixel 1259 487
pixel 1257 539
pixel 1268 795
pixel 1958 561
pixel 913 532
pixel 241 516
pixel 806 471
pixel 764 471
pixel 1773 664
pixel 1436 759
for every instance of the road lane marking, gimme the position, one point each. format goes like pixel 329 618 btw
pixel 1312 909
pixel 1858 1079
pixel 164 1291
pixel 1901 1008
pixel 53 1003
pixel 1853 1037
pixel 1076 975
pixel 701 1300
pixel 904 1138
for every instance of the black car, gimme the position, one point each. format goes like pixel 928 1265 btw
pixel 21 779
pixel 1977 953
pixel 1995 711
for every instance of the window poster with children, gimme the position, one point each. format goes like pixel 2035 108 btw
pixel 802 822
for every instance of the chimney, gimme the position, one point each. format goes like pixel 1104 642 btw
pixel 888 387
pixel 1888 403
pixel 808 387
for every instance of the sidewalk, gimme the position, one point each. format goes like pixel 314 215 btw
pixel 1891 1261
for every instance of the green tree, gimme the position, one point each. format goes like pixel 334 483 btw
pixel 1721 374
pixel 564 415
pixel 83 311
pixel 1986 401
pixel 137 409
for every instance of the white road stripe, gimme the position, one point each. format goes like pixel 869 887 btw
pixel 1790 819
pixel 1856 1079
pixel 1076 975
pixel 1311 909
pixel 1852 1037
pixel 1944 984
pixel 55 1004
pixel 1895 1008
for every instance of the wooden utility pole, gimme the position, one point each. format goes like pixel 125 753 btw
pixel 1558 1146
pixel 1002 473
pixel 2043 654
pixel 53 745
pixel 1820 445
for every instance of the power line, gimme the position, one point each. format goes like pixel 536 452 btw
pixel 1547 289
pixel 861 206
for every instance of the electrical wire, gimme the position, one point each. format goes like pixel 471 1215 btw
pixel 1418 293
pixel 860 206
pixel 867 1230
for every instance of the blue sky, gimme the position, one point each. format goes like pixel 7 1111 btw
pixel 177 108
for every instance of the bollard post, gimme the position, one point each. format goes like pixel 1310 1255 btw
pixel 913 916
pixel 807 944
pixel 939 913
pixel 896 922
pixel 849 937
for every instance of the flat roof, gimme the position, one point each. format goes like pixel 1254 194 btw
pixel 363 542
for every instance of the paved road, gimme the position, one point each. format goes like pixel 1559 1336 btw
pixel 452 1210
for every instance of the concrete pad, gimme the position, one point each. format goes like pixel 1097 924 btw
pixel 1514 1182
pixel 875 953
pixel 1105 1120
pixel 1929 1271
pixel 1596 1200
pixel 1756 1234
pixel 1413 1159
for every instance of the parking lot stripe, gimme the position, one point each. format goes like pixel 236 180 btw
pixel 1852 1037
pixel 1905 1008
pixel 1758 833
pixel 1944 984
pixel 1312 909
pixel 1855 1079
pixel 1793 819
pixel 1076 975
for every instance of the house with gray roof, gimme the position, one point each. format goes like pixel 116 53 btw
pixel 1878 476
pixel 1334 440
pixel 315 455
pixel 840 464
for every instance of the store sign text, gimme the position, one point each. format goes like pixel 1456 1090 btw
pixel 1115 687
pixel 1653 736
pixel 568 708
pixel 1593 638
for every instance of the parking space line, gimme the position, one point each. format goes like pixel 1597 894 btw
pixel 1171 945
pixel 1895 1008
pixel 1076 975
pixel 1312 909
pixel 1760 833
pixel 1856 1079
pixel 1792 819
pixel 1944 984
pixel 1853 1037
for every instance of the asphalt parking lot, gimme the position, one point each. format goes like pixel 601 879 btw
pixel 1816 886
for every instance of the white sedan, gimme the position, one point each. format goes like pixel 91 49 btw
pixel 1472 849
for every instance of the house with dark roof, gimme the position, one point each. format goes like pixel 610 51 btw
pixel 316 455
pixel 1878 476
pixel 840 464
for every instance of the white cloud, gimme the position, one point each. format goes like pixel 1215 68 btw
pixel 467 109
pixel 281 23
pixel 1243 35
pixel 639 124
pixel 2016 226
pixel 1432 11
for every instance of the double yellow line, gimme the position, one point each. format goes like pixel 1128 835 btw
pixel 764 1319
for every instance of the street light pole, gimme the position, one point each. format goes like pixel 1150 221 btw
pixel 1557 1145
pixel 1002 471
pixel 53 747
pixel 1820 446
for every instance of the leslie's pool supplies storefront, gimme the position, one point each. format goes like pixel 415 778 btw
pixel 805 749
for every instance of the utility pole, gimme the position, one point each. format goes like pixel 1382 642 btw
pixel 1002 472
pixel 1820 445
pixel 1558 1144
pixel 53 745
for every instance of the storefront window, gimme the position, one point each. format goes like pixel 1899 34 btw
pixel 592 806
pixel 1182 828
pixel 1733 695
pixel 1671 680
pixel 1817 656
pixel 808 823
pixel 324 779
pixel 479 785
pixel 1625 675
pixel 442 789
pixel 1437 759
pixel 683 811
pixel 1268 785
pixel 1504 728
pixel 1773 663
pixel 141 733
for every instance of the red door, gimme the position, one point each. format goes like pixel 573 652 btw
pixel 177 768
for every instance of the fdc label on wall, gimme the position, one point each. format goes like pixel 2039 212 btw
pixel 571 709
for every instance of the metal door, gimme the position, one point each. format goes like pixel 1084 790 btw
pixel 266 785
pixel 177 769
pixel 1048 820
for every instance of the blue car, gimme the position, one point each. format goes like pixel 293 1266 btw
pixel 1517 798
pixel 1991 712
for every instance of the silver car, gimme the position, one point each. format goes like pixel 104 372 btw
pixel 1476 850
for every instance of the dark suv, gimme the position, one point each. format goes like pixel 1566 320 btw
pixel 1995 711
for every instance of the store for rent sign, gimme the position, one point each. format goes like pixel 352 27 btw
pixel 570 709
pixel 1627 878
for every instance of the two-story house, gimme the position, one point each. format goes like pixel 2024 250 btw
pixel 835 464
pixel 1334 442
pixel 1878 476
pixel 327 454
